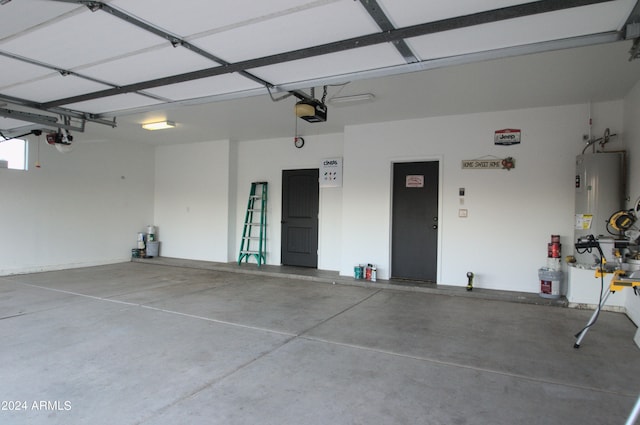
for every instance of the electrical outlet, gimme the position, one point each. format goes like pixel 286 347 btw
pixel 462 213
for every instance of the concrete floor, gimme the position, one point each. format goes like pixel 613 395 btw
pixel 143 343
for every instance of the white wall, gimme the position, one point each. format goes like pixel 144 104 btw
pixel 86 207
pixel 264 160
pixel 232 202
pixel 202 190
pixel 632 141
pixel 192 200
pixel 79 209
pixel 511 214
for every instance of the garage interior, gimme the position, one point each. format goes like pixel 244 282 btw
pixel 433 147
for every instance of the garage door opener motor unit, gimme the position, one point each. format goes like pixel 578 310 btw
pixel 311 110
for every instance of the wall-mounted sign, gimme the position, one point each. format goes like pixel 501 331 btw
pixel 507 137
pixel 492 163
pixel 482 164
pixel 414 181
pixel 331 172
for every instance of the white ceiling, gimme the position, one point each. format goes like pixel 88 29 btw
pixel 53 51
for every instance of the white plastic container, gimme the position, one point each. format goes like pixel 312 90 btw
pixel 151 233
pixel 153 249
pixel 550 283
pixel 141 240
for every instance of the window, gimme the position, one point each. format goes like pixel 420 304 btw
pixel 14 151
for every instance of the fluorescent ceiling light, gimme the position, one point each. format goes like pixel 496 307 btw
pixel 159 125
pixel 356 98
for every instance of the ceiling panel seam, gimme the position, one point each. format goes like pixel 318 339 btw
pixel 496 15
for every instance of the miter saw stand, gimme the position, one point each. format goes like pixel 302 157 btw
pixel 621 279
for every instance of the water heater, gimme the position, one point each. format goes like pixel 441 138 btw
pixel 599 194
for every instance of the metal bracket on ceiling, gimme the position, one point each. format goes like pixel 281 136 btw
pixel 93 6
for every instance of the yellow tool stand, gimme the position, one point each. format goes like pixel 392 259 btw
pixel 619 281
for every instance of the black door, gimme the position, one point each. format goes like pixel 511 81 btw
pixel 300 204
pixel 414 242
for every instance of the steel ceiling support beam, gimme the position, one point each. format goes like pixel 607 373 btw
pixel 58 111
pixel 61 111
pixel 502 53
pixel 65 72
pixel 384 23
pixel 173 39
pixel 497 15
pixel 46 120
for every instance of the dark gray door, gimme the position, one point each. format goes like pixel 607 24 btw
pixel 300 204
pixel 414 242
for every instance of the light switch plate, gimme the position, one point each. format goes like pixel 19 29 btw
pixel 462 212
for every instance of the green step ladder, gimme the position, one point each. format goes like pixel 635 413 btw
pixel 254 231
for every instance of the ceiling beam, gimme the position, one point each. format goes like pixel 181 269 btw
pixel 171 38
pixel 467 58
pixel 45 120
pixel 175 40
pixel 64 112
pixel 384 23
pixel 67 72
pixel 496 15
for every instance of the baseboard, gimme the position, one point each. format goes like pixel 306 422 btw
pixel 56 267
pixel 613 308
